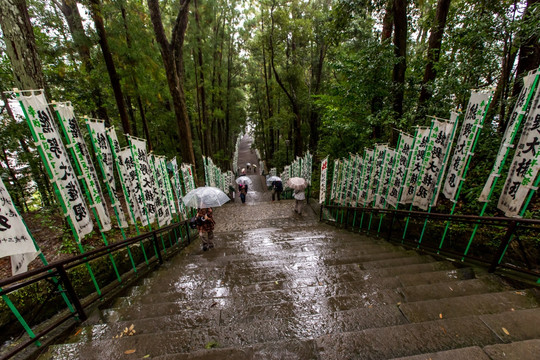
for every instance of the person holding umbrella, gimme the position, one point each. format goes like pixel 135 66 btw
pixel 298 185
pixel 205 225
pixel 203 199
pixel 277 187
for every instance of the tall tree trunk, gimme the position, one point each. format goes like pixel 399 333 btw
pixel 316 75
pixel 21 45
pixel 268 95
pixel 400 52
pixel 82 44
pixel 95 7
pixel 200 126
pixel 529 52
pixel 388 21
pixel 433 53
pixel 173 62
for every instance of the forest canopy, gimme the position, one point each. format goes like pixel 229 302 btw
pixel 333 77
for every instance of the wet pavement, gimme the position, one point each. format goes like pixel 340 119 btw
pixel 284 286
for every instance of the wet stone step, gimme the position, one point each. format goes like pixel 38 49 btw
pixel 514 325
pixel 468 305
pixel 450 289
pixel 237 309
pixel 522 350
pixel 436 277
pixel 406 340
pixel 468 353
pixel 272 329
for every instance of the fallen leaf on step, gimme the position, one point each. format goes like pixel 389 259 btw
pixel 443 329
pixel 505 331
pixel 129 351
pixel 131 327
pixel 146 356
pixel 440 316
pixel 78 332
pixel 521 293
pixel 214 304
pixel 398 303
pixel 277 282
pixel 451 288
pixel 512 309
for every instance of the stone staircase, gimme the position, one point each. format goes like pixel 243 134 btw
pixel 285 287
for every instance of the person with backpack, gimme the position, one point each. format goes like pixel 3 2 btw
pixel 205 225
pixel 243 189
pixel 277 188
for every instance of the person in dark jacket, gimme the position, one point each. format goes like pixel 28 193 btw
pixel 205 225
pixel 277 188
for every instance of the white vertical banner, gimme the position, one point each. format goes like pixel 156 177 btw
pixel 472 123
pixel 131 183
pixel 145 178
pixel 187 174
pixel 369 158
pixel 359 163
pixel 403 153
pixel 324 174
pixel 98 135
pixel 377 172
pixel 415 164
pixel 388 167
pixel 56 160
pixel 434 157
pixel 75 140
pixel 178 188
pixel 158 185
pixel 15 240
pixel 509 134
pixel 168 187
pixel 335 173
pixel 344 180
pixel 525 165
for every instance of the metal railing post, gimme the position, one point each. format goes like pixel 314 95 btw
pixel 321 213
pixel 156 246
pixel 187 232
pixel 71 292
pixel 502 248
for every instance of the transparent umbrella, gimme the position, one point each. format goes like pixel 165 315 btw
pixel 271 179
pixel 205 197
pixel 297 183
pixel 244 180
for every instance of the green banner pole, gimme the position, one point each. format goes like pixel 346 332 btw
pixel 377 189
pixel 456 197
pixel 128 203
pixel 439 177
pixel 514 134
pixel 391 180
pixel 58 195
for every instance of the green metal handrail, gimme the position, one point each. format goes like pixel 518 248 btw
pixel 59 269
pixel 492 259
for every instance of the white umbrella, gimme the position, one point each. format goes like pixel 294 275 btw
pixel 271 179
pixel 205 197
pixel 297 183
pixel 244 180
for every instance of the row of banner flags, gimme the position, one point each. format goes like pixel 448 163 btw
pixel 150 193
pixel 236 148
pixel 215 177
pixel 300 167
pixel 413 172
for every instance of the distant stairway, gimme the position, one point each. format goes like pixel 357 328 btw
pixel 297 289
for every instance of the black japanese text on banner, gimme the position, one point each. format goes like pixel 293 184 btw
pixel 402 161
pixel 98 135
pixel 83 161
pixel 131 183
pixel 335 174
pixel 324 172
pixel 144 174
pixel 525 165
pixel 388 167
pixel 368 168
pixel 415 164
pixel 162 211
pixel 15 240
pixel 474 118
pixel 357 180
pixel 509 134
pixel 57 162
pixel 434 157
